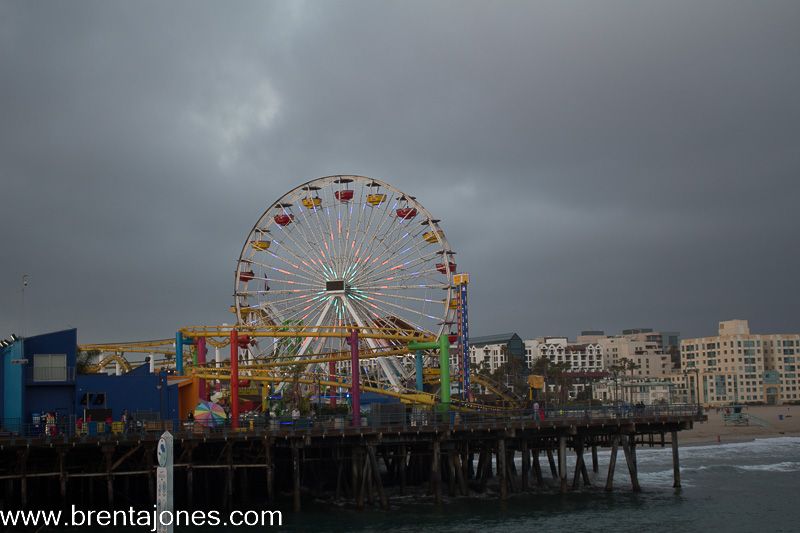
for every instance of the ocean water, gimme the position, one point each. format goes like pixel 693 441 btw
pixel 741 487
pixel 751 486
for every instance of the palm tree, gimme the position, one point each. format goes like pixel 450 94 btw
pixel 626 365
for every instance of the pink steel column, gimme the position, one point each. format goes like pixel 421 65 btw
pixel 201 361
pixel 234 379
pixel 355 376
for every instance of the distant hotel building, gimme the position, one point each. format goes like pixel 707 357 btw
pixel 737 366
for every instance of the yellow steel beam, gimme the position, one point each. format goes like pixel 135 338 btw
pixel 421 398
pixel 341 332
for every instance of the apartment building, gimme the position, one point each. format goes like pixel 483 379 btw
pixel 643 346
pixel 738 366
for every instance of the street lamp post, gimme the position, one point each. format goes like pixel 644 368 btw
pixel 25 280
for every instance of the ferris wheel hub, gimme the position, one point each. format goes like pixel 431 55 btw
pixel 337 286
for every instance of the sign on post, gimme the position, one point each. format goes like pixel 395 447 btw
pixel 164 484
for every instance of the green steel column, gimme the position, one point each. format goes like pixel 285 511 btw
pixel 444 365
pixel 444 368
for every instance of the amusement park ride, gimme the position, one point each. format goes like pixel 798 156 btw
pixel 341 272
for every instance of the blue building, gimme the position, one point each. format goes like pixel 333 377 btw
pixel 138 391
pixel 38 375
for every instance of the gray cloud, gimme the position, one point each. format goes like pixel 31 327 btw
pixel 596 165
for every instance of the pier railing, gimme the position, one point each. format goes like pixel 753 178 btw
pixel 416 419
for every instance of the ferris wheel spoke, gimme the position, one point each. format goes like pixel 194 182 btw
pixel 316 278
pixel 414 245
pixel 373 299
pixel 397 230
pixel 399 267
pixel 410 298
pixel 372 239
pixel 351 234
pixel 361 230
pixel 404 275
pixel 367 236
pixel 291 252
pixel 308 270
pixel 308 251
pixel 296 309
pixel 307 296
pixel 382 315
pixel 307 222
pixel 367 288
pixel 277 279
pixel 271 291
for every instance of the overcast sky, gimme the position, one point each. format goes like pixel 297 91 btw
pixel 596 165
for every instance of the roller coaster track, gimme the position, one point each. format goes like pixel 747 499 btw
pixel 113 358
pixel 431 375
pixel 160 346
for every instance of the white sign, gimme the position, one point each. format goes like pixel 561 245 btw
pixel 164 484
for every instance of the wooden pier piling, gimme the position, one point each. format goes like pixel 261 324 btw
pixel 676 465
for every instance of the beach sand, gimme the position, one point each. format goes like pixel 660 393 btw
pixel 764 423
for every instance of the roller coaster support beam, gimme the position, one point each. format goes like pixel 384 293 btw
pixel 234 379
pixel 420 380
pixel 335 391
pixel 444 364
pixel 179 353
pixel 201 360
pixel 355 377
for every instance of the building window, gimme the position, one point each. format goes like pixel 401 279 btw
pixel 50 367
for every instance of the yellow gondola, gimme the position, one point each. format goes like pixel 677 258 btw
pixel 261 246
pixel 312 203
pixel 433 236
pixel 453 303
pixel 376 199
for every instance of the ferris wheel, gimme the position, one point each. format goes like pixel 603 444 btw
pixel 345 251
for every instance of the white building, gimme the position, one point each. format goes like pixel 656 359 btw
pixel 633 391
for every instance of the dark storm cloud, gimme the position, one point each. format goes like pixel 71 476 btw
pixel 595 164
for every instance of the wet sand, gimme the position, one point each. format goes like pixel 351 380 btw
pixel 764 423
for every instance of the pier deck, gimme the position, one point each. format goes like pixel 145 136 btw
pixel 328 457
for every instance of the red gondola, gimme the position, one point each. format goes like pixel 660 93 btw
pixel 246 276
pixel 452 338
pixel 406 213
pixel 441 267
pixel 283 219
pixel 344 195
pixel 243 341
